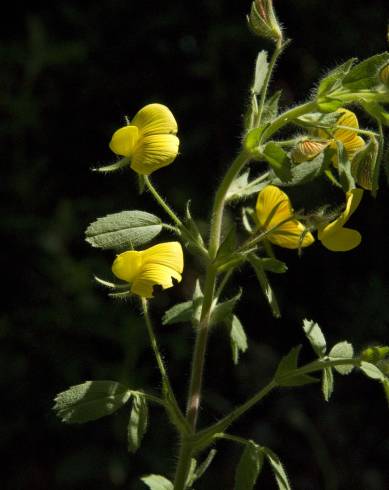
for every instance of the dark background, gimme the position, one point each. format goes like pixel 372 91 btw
pixel 70 72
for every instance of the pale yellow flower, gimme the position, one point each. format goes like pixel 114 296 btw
pixel 149 141
pixel 157 265
pixel 274 211
pixel 334 236
pixel 350 139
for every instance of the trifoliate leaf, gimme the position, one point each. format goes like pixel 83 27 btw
pixel 342 350
pixel 137 425
pixel 249 467
pixel 157 482
pixel 90 401
pixel 329 104
pixel 125 230
pixel 315 337
pixel 278 470
pixel 237 337
pixel 327 385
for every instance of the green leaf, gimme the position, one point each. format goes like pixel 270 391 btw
pixel 271 264
pixel 329 104
pixel 278 159
pixel 375 353
pixel 90 401
pixel 223 310
pixel 261 69
pixel 270 109
pixel 157 482
pixel 228 245
pixel 253 138
pixel 125 230
pixel 202 468
pixel 179 313
pixel 315 337
pixel 278 470
pixel 191 474
pixel 265 285
pixel 249 467
pixel 377 112
pixel 137 425
pixel 364 75
pixel 304 172
pixel 241 188
pixel 284 374
pixel 327 385
pixel 334 78
pixel 372 371
pixel 319 120
pixel 192 225
pixel 339 351
pixel 344 168
pixel 237 337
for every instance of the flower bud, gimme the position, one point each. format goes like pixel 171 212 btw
pixel 363 165
pixel 262 20
pixel 375 353
pixel 308 149
pixel 384 75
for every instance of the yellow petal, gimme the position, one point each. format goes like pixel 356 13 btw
pixel 353 145
pixel 127 265
pixel 168 254
pixel 154 152
pixel 348 118
pixel 290 235
pixel 155 119
pixel 342 241
pixel 152 275
pixel 273 207
pixel 124 140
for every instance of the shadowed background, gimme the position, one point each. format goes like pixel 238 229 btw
pixel 70 72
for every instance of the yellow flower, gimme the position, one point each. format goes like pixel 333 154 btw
pixel 149 141
pixel 157 265
pixel 274 209
pixel 350 139
pixel 336 238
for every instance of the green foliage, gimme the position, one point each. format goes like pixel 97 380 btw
pixel 265 284
pixel 124 230
pixel 278 469
pixel 249 467
pixel 138 422
pixel 271 264
pixel 202 468
pixel 315 337
pixel 157 482
pixel 224 309
pixel 364 75
pixel 333 79
pixel 285 375
pixel 90 401
pixel 327 385
pixel 261 69
pixel 237 337
pixel 306 171
pixel 344 168
pixel 278 160
pixel 339 351
pixel 242 188
pixel 372 371
pixel 179 313
pixel 319 120
pixel 270 109
pixel 228 245
pixel 377 112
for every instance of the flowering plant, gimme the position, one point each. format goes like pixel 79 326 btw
pixel 329 146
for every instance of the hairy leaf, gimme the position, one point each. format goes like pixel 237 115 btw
pixel 249 467
pixel 364 75
pixel 279 161
pixel 315 337
pixel 342 350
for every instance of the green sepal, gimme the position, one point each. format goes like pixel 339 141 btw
pixel 238 338
pixel 138 422
pixel 157 482
pixel 249 467
pixel 344 168
pixel 315 337
pixel 123 162
pixel 365 166
pixel 319 120
pixel 342 350
pixel 267 290
pixel 141 184
pixel 364 75
pixel 222 310
pixel 112 285
pixel 327 383
pixel 253 139
pixel 305 172
pixel 333 79
pixel 284 374
pixel 278 160
pixel 124 230
pixel 90 401
pixel 278 469
pixel 329 104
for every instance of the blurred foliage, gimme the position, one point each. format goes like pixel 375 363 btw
pixel 70 72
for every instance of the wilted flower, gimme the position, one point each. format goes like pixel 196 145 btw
pixel 274 210
pixel 333 235
pixel 149 140
pixel 157 265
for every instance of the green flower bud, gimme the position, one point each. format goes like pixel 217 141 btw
pixel 384 75
pixel 374 354
pixel 308 149
pixel 262 20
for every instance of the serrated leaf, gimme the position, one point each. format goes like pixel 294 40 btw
pixel 327 383
pixel 90 401
pixel 339 351
pixel 265 285
pixel 315 337
pixel 334 78
pixel 261 69
pixel 278 160
pixel 127 229
pixel 137 425
pixel 249 467
pixel 157 482
pixel 237 337
pixel 181 312
pixel 223 310
pixel 278 470
pixel 364 75
pixel 372 371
